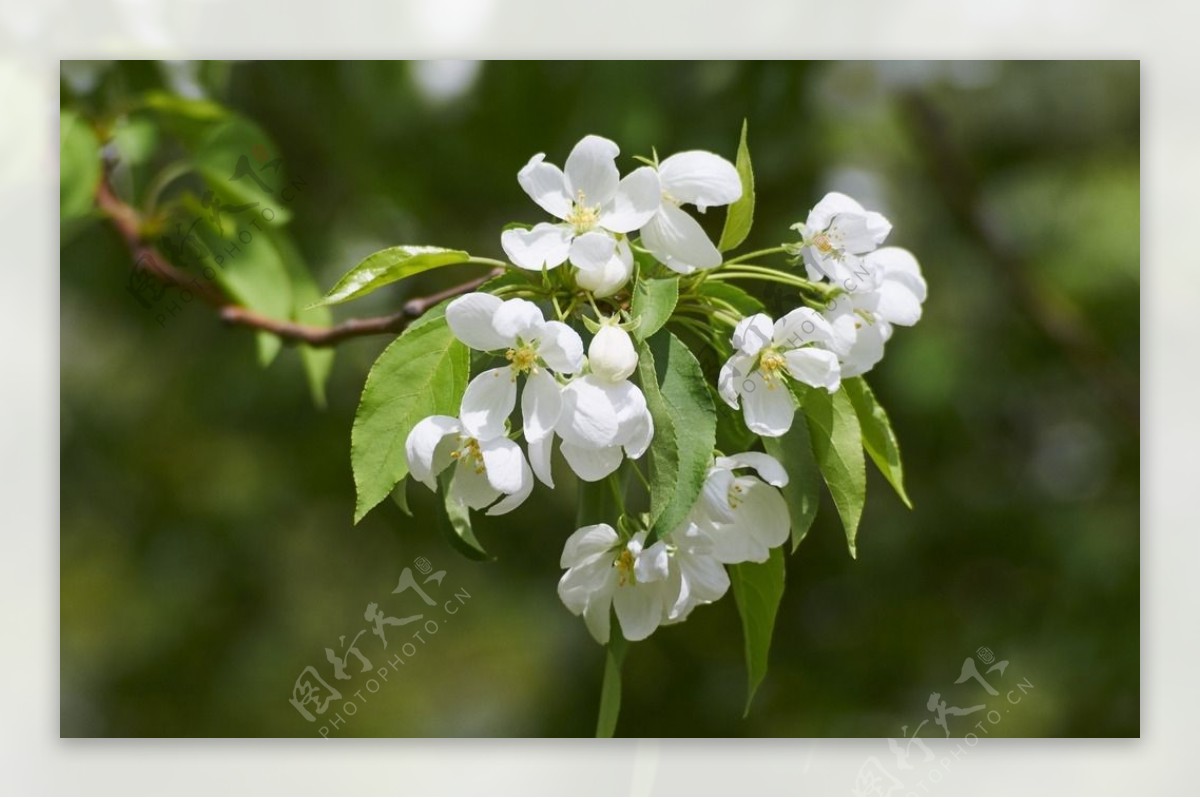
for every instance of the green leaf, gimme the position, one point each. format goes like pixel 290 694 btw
pixel 388 266
pixel 610 690
pixel 757 589
pixel 685 424
pixel 174 105
pixel 732 433
pixel 400 497
pixel 79 167
pixel 837 445
pixel 244 170
pixel 803 491
pixel 317 361
pixel 745 304
pixel 455 521
pixel 877 436
pixel 740 215
pixel 654 301
pixel 422 373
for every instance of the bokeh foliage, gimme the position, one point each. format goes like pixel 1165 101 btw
pixel 207 551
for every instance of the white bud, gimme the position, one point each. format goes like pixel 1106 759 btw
pixel 606 280
pixel 611 354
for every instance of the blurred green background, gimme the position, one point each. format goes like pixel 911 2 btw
pixel 207 549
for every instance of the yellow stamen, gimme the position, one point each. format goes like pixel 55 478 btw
pixel 624 566
pixel 523 358
pixel 583 217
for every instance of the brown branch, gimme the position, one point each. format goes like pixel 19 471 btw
pixel 148 260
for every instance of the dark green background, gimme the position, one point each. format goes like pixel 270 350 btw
pixel 207 550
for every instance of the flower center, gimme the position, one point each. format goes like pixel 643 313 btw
pixel 825 244
pixel 469 453
pixel 583 217
pixel 523 358
pixel 624 566
pixel 770 363
pixel 735 495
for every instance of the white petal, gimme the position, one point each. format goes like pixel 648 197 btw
pixel 701 178
pixel 560 347
pixel 587 542
pixel 518 318
pixel 635 203
pixel 767 466
pixel 591 170
pixel 545 184
pixel 540 459
pixel 630 404
pixel 714 496
pixel 640 435
pixel 517 497
pixel 752 334
pixel 801 326
pixel 867 349
pixel 470 319
pixel 421 447
pixel 487 403
pixel 613 276
pixel 702 580
pixel 544 247
pixel 762 514
pixel 541 404
pixel 471 487
pixel 588 416
pixel 652 563
pixel 505 465
pixel 832 204
pixel 589 463
pixel 902 290
pixel 768 408
pixel 639 609
pixel 814 367
pixel 598 614
pixel 592 251
pixel 678 240
pixel 731 380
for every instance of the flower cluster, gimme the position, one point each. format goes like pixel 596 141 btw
pixel 587 394
pixel 738 518
pixel 869 290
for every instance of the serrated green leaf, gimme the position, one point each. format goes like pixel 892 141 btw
pixel 685 425
pixel 653 302
pixel 455 521
pixel 79 167
pixel 877 436
pixel 610 689
pixel 758 589
pixel 422 373
pixel 387 266
pixel 740 216
pixel 803 491
pixel 317 361
pixel 837 446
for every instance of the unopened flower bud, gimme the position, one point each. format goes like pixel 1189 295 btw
pixel 611 354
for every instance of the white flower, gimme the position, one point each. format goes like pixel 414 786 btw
pixel 593 202
pixel 742 516
pixel 694 575
pixel 610 278
pixel 601 422
pixel 605 573
pixel 611 354
pixel 863 319
pixel 674 237
pixel 798 345
pixel 836 234
pixel 487 467
pixel 533 346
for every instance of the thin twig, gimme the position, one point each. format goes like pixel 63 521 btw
pixel 149 260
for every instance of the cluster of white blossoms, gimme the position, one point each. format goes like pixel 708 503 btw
pixel 854 291
pixel 588 403
pixel 738 518
pixel 599 210
pixel 872 289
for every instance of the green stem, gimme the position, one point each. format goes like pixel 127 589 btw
pixel 755 254
pixel 777 277
pixel 610 690
pixel 495 264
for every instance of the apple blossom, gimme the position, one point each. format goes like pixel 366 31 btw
pixel 698 178
pixel 486 468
